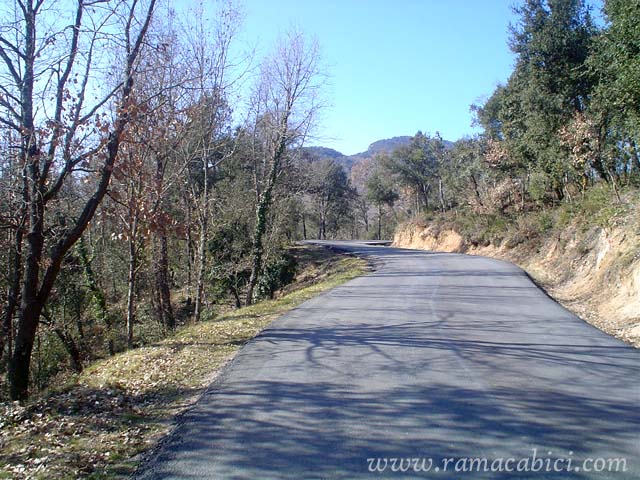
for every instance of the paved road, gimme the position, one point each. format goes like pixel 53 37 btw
pixel 431 356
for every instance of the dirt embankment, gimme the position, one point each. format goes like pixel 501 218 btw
pixel 593 272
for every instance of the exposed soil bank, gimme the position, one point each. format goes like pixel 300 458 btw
pixel 594 272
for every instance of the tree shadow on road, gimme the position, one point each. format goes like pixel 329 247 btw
pixel 294 430
pixel 321 428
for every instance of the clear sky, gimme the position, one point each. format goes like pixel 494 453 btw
pixel 395 66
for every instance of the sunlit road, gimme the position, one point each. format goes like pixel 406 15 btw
pixel 432 356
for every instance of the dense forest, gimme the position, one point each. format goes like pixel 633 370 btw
pixel 149 172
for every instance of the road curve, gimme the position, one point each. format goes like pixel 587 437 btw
pixel 432 356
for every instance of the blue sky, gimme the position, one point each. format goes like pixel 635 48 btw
pixel 395 67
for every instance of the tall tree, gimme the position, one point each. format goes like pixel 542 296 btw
pixel 614 116
pixel 59 137
pixel 417 166
pixel 620 58
pixel 284 106
pixel 381 191
pixel 549 85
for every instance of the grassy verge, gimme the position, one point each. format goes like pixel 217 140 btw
pixel 96 426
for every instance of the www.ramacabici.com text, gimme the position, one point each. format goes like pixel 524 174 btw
pixel 536 462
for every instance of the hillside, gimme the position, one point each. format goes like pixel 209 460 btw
pixel 386 145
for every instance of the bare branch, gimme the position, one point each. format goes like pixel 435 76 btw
pixel 22 7
pixel 9 94
pixel 68 168
pixel 99 105
pixel 11 47
pixel 10 108
pixel 9 123
pixel 113 145
pixel 9 63
pixel 62 83
pixel 39 4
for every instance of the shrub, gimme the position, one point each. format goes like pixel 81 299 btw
pixel 276 274
pixel 545 221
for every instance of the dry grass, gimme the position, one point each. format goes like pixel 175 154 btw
pixel 96 426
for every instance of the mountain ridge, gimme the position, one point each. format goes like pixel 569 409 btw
pixel 385 145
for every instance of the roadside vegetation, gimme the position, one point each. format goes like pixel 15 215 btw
pixel 152 174
pixel 598 208
pixel 95 424
pixel 559 136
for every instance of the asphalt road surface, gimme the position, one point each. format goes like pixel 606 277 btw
pixel 456 359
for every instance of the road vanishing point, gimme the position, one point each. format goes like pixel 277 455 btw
pixel 455 359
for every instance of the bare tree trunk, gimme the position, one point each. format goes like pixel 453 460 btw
pixel 30 310
pixel 476 190
pixel 161 263
pixel 236 297
pixel 441 195
pixel 131 282
pixel 202 258
pixel 71 347
pixel 67 341
pixel 322 226
pixel 366 220
pixel 635 156
pixel 202 247
pixel 15 274
pixel 165 310
pixel 380 221
pixel 30 306
pixel 425 196
pixel 353 225
pixel 189 251
pixel 133 243
pixel 322 231
pixel 37 191
pixel 258 248
pixel 304 226
pixel 614 185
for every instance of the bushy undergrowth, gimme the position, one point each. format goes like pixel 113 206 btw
pixel 599 207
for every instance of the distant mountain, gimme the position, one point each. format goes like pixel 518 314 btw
pixel 387 145
pixel 324 152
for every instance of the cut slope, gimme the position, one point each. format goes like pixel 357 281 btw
pixel 594 270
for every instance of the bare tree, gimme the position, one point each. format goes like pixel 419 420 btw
pixel 48 75
pixel 209 64
pixel 284 106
